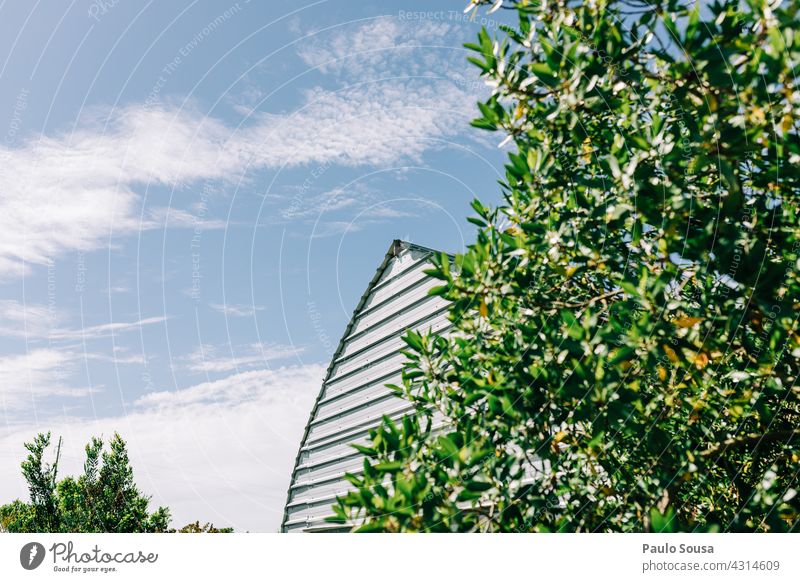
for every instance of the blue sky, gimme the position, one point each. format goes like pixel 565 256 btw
pixel 193 196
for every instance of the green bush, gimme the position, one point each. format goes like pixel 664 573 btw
pixel 624 354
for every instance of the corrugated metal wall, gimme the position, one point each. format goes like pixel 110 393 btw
pixel 353 397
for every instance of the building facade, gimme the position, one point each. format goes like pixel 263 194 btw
pixel 353 397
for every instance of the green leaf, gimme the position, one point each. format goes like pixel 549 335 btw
pixel 662 522
pixel 448 446
pixel 389 467
pixel 479 486
pixel 544 73
pixel 368 451
pixel 414 340
pixel 468 495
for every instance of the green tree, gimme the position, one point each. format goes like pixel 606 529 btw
pixel 205 528
pixel 624 353
pixel 104 498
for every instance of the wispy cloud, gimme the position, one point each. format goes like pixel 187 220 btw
pixel 387 46
pixel 26 320
pixel 71 191
pixel 103 330
pixel 35 321
pixel 232 390
pixel 121 356
pixel 39 373
pixel 213 359
pixel 309 206
pixel 236 309
pixel 166 217
pixel 68 191
pixel 349 208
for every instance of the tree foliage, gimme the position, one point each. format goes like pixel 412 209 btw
pixel 104 498
pixel 624 353
pixel 207 527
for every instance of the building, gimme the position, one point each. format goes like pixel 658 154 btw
pixel 353 397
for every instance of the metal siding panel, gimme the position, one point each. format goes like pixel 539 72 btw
pixel 401 262
pixel 340 383
pixel 353 397
pixel 368 415
pixel 412 291
pixel 387 397
pixel 404 319
pixel 323 488
pixel 413 276
pixel 386 346
pixel 340 464
pixel 366 393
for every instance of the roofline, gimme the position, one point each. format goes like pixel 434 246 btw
pixel 395 249
pixel 399 245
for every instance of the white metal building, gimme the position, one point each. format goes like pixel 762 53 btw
pixel 353 397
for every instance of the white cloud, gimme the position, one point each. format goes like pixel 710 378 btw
pixel 76 191
pixel 40 373
pixel 103 330
pixel 53 357
pixel 166 217
pixel 236 309
pixel 336 228
pixel 352 198
pixel 386 45
pixel 219 451
pixel 304 206
pixel 70 191
pixel 25 320
pixel 210 359
pixel 34 321
pixel 377 212
pixel 232 390
pixel 120 357
pixel 368 124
